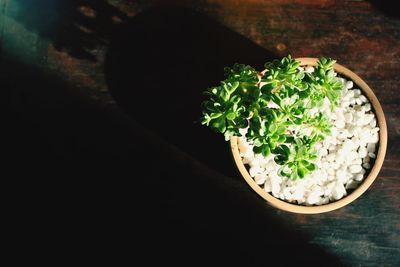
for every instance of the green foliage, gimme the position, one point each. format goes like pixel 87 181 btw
pixel 296 160
pixel 279 108
pixel 323 83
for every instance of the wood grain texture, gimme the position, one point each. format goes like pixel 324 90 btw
pixel 65 44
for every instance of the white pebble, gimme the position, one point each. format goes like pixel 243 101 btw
pixel 349 95
pixel 344 104
pixel 322 152
pixel 275 184
pixel 339 114
pixel 340 175
pixel 350 156
pixel 335 165
pixel 309 69
pixel 324 200
pixel 331 157
pixel 312 198
pixel 271 165
pixel 371 155
pixel 260 178
pixel 355 168
pixel 334 132
pixel 371 148
pixel 267 185
pixel 254 171
pixel 363 98
pixel 243 132
pixel 366 137
pixel 287 193
pixel 298 194
pixel 352 184
pixel 366 166
pixel 348 117
pixel 349 84
pixel 247 160
pixel 275 188
pixel 340 124
pixel 328 189
pixel 355 141
pixel 375 130
pixel 317 146
pixel 362 152
pixel 256 162
pixel 357 92
pixel 359 177
pixel 363 143
pixel 366 119
pixel 331 177
pixel 338 191
pixel 301 201
pixel 340 158
pixel 374 138
pixel 373 123
pixel 357 161
pixel 325 165
pixel 342 135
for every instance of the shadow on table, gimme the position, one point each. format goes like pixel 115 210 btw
pixel 95 186
pixel 100 186
pixel 388 7
pixel 74 26
pixel 157 67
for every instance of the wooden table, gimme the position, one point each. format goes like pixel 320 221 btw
pixel 102 100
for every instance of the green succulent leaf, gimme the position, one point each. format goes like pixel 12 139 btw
pixel 278 106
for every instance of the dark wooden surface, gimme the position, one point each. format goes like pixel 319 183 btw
pixel 101 101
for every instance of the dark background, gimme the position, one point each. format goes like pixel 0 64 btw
pixel 105 154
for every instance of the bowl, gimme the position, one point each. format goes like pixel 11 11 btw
pixel 372 175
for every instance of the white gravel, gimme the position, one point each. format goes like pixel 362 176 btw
pixel 343 157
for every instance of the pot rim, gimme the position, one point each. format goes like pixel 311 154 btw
pixel 382 145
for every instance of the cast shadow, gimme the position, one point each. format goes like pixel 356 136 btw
pixel 159 63
pixel 157 66
pixel 100 188
pixel 103 187
pixel 74 26
pixel 387 7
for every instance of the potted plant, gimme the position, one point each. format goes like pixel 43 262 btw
pixel 308 135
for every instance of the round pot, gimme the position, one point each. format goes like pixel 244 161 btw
pixel 380 154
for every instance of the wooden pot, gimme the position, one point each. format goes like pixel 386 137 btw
pixel 380 155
